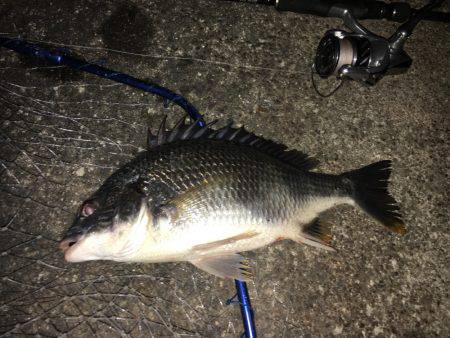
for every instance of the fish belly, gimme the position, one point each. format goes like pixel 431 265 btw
pixel 207 235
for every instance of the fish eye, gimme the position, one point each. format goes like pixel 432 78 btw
pixel 87 209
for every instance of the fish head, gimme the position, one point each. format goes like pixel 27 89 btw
pixel 108 226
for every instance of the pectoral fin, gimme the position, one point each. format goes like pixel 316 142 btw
pixel 222 242
pixel 233 266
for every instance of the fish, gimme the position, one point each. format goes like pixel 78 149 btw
pixel 205 195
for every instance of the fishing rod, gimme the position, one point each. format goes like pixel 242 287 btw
pixel 63 59
pixel 361 9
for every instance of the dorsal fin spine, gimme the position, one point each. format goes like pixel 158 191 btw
pixel 194 130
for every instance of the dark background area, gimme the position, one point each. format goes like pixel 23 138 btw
pixel 64 132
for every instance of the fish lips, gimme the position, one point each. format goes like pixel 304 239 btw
pixel 68 246
pixel 74 246
pixel 78 244
pixel 84 247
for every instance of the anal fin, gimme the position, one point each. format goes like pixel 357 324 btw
pixel 233 266
pixel 317 233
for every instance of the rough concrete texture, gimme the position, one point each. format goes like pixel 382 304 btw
pixel 63 132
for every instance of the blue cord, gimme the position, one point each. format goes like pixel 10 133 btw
pixel 24 47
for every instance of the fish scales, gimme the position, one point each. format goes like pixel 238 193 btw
pixel 271 191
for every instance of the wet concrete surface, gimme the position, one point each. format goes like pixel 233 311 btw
pixel 63 133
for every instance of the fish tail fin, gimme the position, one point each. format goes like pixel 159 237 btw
pixel 370 192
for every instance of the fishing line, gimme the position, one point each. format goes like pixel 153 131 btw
pixel 314 84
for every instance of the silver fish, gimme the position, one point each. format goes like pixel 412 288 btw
pixel 204 195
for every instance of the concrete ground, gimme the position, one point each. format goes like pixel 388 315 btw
pixel 63 133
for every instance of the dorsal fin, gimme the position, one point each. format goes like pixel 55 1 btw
pixel 193 130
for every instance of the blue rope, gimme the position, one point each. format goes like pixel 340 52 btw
pixel 24 47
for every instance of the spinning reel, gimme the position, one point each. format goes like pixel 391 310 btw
pixel 362 55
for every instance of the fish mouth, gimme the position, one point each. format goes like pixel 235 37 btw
pixel 68 245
